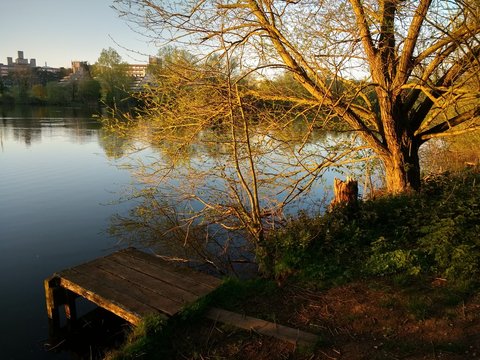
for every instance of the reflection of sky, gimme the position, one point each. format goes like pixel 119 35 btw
pixel 206 171
pixel 55 183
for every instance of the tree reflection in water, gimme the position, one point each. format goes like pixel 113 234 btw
pixel 197 203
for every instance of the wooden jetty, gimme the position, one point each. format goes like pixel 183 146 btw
pixel 129 283
pixel 132 284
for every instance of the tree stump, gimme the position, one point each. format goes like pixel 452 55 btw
pixel 345 193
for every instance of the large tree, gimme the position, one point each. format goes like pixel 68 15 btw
pixel 418 61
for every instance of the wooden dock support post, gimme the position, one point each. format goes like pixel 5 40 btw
pixel 51 297
pixel 70 307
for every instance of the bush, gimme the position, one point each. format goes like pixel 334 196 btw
pixel 430 233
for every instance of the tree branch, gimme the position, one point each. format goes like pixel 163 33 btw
pixel 452 133
pixel 456 70
pixel 406 63
pixel 364 31
pixel 439 129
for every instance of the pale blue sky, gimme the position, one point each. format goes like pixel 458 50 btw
pixel 59 31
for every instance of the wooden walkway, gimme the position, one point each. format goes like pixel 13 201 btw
pixel 129 283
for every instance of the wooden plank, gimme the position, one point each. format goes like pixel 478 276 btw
pixel 193 276
pixel 285 333
pixel 183 280
pixel 104 296
pixel 208 280
pixel 154 284
pixel 136 291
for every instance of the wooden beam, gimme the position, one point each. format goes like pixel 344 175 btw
pixel 51 286
pixel 98 292
pixel 285 333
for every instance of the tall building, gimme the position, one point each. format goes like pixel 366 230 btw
pixel 25 71
pixel 17 65
pixel 20 60
pixel 137 70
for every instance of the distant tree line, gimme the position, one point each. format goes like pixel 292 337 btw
pixel 108 82
pixel 35 86
pixel 105 82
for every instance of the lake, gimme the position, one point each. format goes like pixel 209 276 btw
pixel 58 189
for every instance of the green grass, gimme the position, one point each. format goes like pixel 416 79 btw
pixel 433 233
pixel 154 337
pixel 149 340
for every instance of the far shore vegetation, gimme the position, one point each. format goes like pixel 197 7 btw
pixel 105 83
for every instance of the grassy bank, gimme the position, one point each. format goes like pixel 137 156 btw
pixel 433 233
pixel 397 277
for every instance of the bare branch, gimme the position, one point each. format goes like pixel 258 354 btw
pixel 445 126
pixel 405 64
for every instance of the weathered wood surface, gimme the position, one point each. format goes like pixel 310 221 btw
pixel 128 283
pixel 285 333
pixel 132 284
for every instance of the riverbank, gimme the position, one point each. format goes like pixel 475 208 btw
pixel 374 319
pixel 396 278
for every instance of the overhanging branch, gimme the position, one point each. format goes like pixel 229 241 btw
pixel 442 128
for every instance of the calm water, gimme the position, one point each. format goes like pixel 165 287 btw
pixel 57 181
pixel 59 186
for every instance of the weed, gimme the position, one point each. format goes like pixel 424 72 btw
pixel 452 347
pixel 430 233
pixel 234 292
pixel 420 307
pixel 401 347
pixel 389 302
pixel 149 340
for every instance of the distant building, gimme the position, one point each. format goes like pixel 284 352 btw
pixel 4 70
pixel 137 70
pixel 19 64
pixel 143 76
pixel 80 70
pixel 25 71
pixel 79 66
pixel 20 60
pixel 140 70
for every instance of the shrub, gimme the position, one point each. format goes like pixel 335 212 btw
pixel 430 233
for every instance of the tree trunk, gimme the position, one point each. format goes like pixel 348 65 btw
pixel 402 165
pixel 402 169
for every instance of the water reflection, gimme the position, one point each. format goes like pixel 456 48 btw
pixel 209 197
pixel 27 125
pixel 56 178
